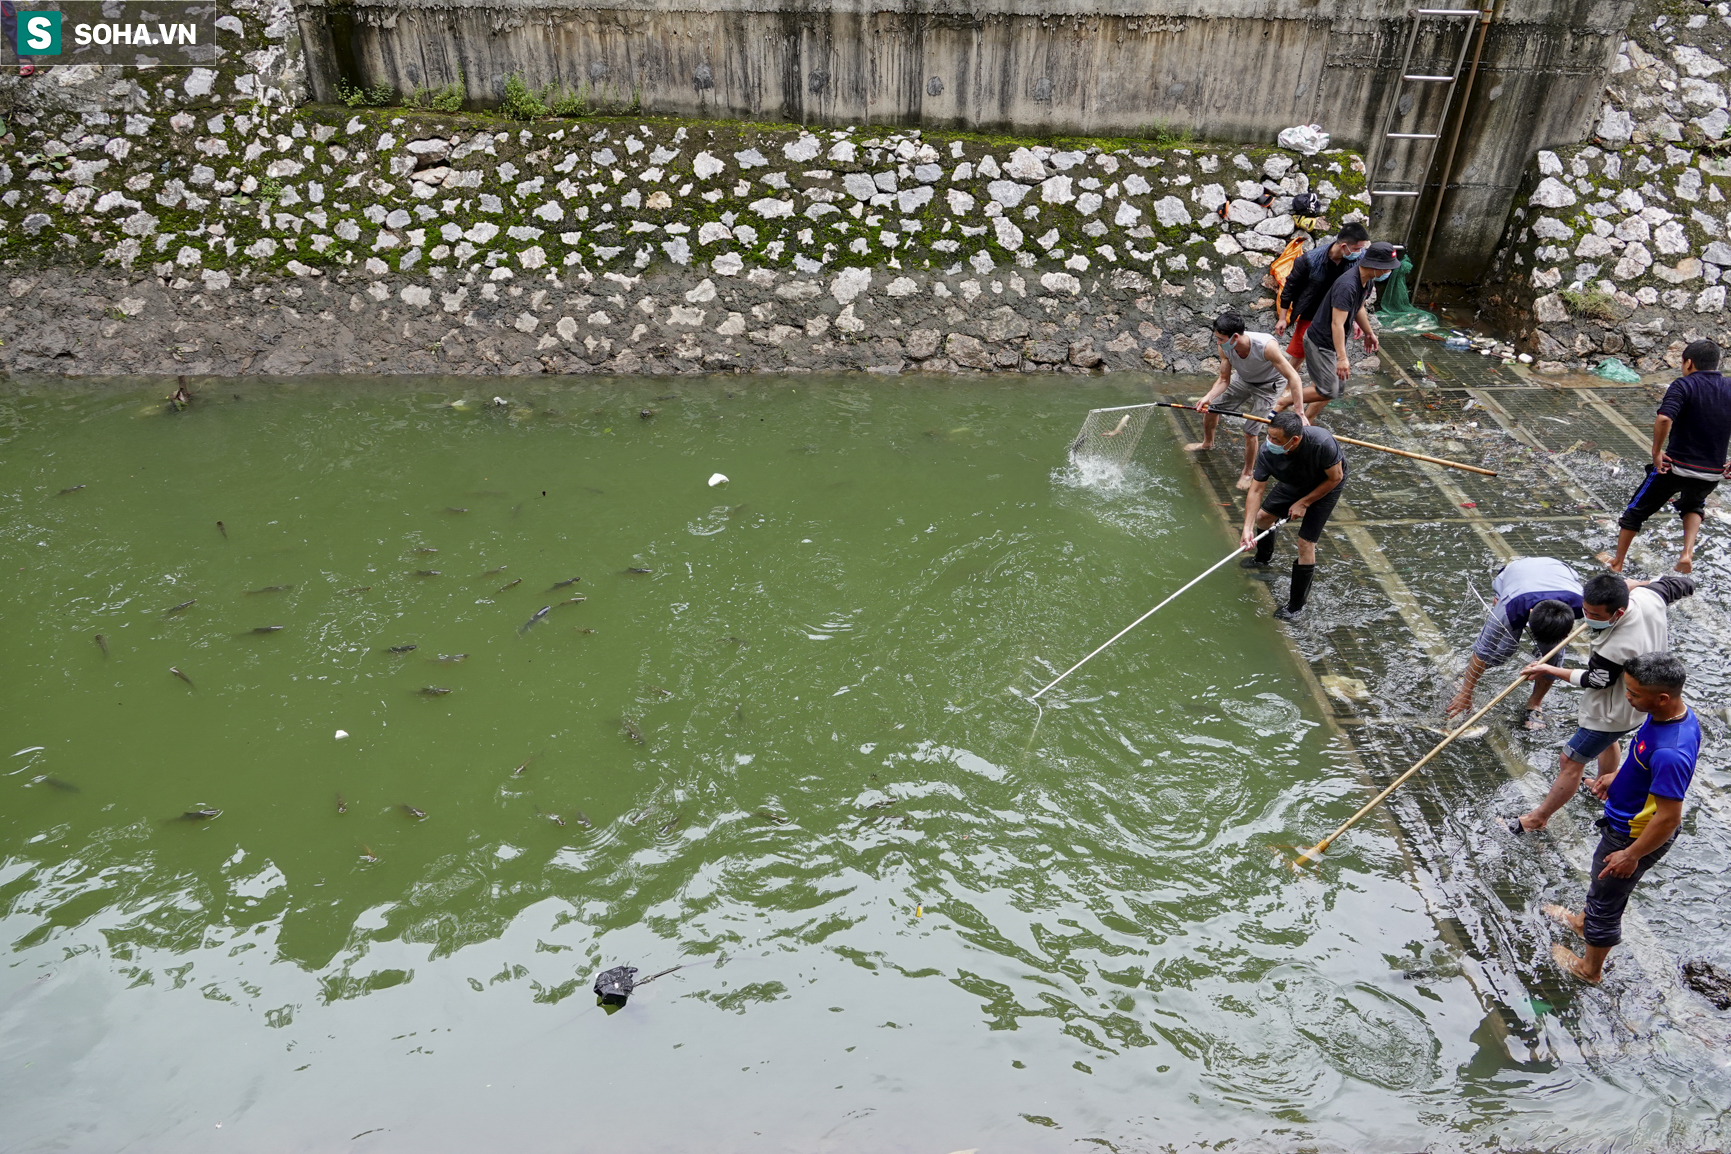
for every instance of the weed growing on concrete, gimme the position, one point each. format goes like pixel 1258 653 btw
pixel 520 102
pixel 1594 303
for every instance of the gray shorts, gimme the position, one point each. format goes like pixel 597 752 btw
pixel 1319 363
pixel 1242 396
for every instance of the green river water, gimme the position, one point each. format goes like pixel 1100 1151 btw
pixel 908 926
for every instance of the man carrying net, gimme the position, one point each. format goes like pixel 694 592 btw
pixel 1309 470
pixel 1251 366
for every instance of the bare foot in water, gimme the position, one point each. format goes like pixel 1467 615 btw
pixel 1244 481
pixel 1198 446
pixel 1573 964
pixel 1684 565
pixel 1608 561
pixel 1566 918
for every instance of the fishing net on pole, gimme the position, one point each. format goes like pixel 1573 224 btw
pixel 1109 436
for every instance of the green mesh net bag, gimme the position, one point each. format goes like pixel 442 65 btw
pixel 1394 308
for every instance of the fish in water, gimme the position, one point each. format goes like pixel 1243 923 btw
pixel 223 529
pixel 342 806
pixel 454 509
pixel 583 820
pixel 269 589
pixel 199 815
pixel 540 616
pixel 427 573
pixel 451 658
pixel 671 825
pixel 777 818
pixel 495 571
pixel 103 642
pixel 658 689
pixel 367 853
pixel 567 581
pixel 635 569
pixel 270 628
pixel 736 641
pixel 426 549
pixel 73 489
pixel 1475 732
pixel 53 782
pixel 586 631
pixel 172 669
pixel 552 817
pixel 631 730
pixel 184 605
pixel 510 584
pixel 359 589
pixel 404 648
pixel 411 811
pixel 433 691
pixel 574 601
pixel 518 772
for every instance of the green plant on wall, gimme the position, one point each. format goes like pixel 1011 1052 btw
pixel 520 102
pixel 565 103
pixel 447 99
pixel 1595 304
pixel 374 95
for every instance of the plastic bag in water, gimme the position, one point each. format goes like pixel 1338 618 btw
pixel 1309 139
pixel 1613 369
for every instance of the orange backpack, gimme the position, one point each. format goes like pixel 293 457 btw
pixel 1282 268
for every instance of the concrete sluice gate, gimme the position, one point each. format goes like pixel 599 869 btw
pixel 1240 70
pixel 1404 571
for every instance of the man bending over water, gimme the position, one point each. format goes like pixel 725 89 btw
pixel 1251 366
pixel 1537 593
pixel 1643 808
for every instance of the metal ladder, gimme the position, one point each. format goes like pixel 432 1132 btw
pixel 1415 188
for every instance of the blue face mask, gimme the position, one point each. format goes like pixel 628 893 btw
pixel 1592 624
pixel 1277 450
pixel 1353 256
pixel 1383 277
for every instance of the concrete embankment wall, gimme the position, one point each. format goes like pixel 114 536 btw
pixel 1232 70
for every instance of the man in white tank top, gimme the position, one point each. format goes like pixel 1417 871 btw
pixel 1251 366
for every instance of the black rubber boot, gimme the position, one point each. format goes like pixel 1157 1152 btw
pixel 1302 575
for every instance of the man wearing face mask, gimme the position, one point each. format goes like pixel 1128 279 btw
pixel 1312 275
pixel 1325 356
pixel 1627 619
pixel 1309 470
pixel 1251 365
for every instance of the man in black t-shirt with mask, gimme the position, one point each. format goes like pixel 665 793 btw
pixel 1309 472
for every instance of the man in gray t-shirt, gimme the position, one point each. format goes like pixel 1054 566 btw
pixel 1251 368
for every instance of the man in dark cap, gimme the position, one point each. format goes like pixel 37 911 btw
pixel 1325 357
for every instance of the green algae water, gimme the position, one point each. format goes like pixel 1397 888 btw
pixel 773 732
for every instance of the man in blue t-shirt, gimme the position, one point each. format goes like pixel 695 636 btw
pixel 1643 808
pixel 1691 438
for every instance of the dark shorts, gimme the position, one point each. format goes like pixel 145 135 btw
pixel 1608 897
pixel 1320 363
pixel 1587 744
pixel 1277 502
pixel 1658 488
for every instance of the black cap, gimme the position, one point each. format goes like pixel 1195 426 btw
pixel 1380 254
